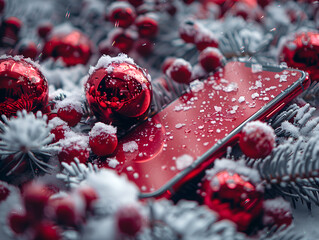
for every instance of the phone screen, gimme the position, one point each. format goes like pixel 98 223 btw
pixel 166 148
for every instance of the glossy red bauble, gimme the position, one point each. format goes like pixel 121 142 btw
pixel 233 198
pixel 118 88
pixel 72 47
pixel 103 139
pixel 22 86
pixel 188 31
pixel 257 139
pixel 204 40
pixel 65 211
pixel 121 14
pixel 302 51
pixel 44 29
pixel 129 220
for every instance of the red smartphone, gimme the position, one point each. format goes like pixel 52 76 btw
pixel 184 138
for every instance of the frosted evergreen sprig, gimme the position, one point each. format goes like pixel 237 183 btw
pixel 187 220
pixel 26 138
pixel 292 170
pixel 75 172
pixel 296 121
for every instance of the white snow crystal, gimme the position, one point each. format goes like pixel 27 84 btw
pixel 256 68
pixel 241 99
pixel 100 127
pixel 112 162
pixel 184 161
pixel 196 86
pixel 130 146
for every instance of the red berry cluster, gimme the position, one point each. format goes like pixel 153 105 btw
pixel 44 216
pixel 134 29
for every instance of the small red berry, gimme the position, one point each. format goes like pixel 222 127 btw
pixel 144 47
pixel 65 211
pixel 257 139
pixel 167 63
pixel 277 212
pixel 74 146
pixel 204 40
pixel 121 14
pixel 89 195
pixel 35 198
pixel 18 222
pixel 44 29
pixel 211 59
pixel 59 132
pixel 121 39
pixel 136 3
pixel 129 220
pixel 147 26
pixel 188 31
pixel 4 192
pixel 2 5
pixel 46 231
pixel 103 139
pixel 70 112
pixel 180 71
pixel 28 50
pixel 106 48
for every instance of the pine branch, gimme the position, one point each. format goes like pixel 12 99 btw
pixel 187 220
pixel 292 170
pixel 75 172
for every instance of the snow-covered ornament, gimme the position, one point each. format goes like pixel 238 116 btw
pixel 71 46
pixel 22 86
pixel 302 51
pixel 231 189
pixel 24 145
pixel 9 31
pixel 116 88
pixel 180 71
pixel 257 139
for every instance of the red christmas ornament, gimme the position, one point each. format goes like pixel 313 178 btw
pixel 180 71
pixel 147 26
pixel 9 31
pixel 35 198
pixel 118 88
pixel 70 112
pixel 129 220
pixel 302 52
pixel 103 139
pixel 22 86
pixel 121 14
pixel 4 192
pixel 18 222
pixel 233 198
pixel 211 59
pixel 257 139
pixel 73 47
pixel 122 39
